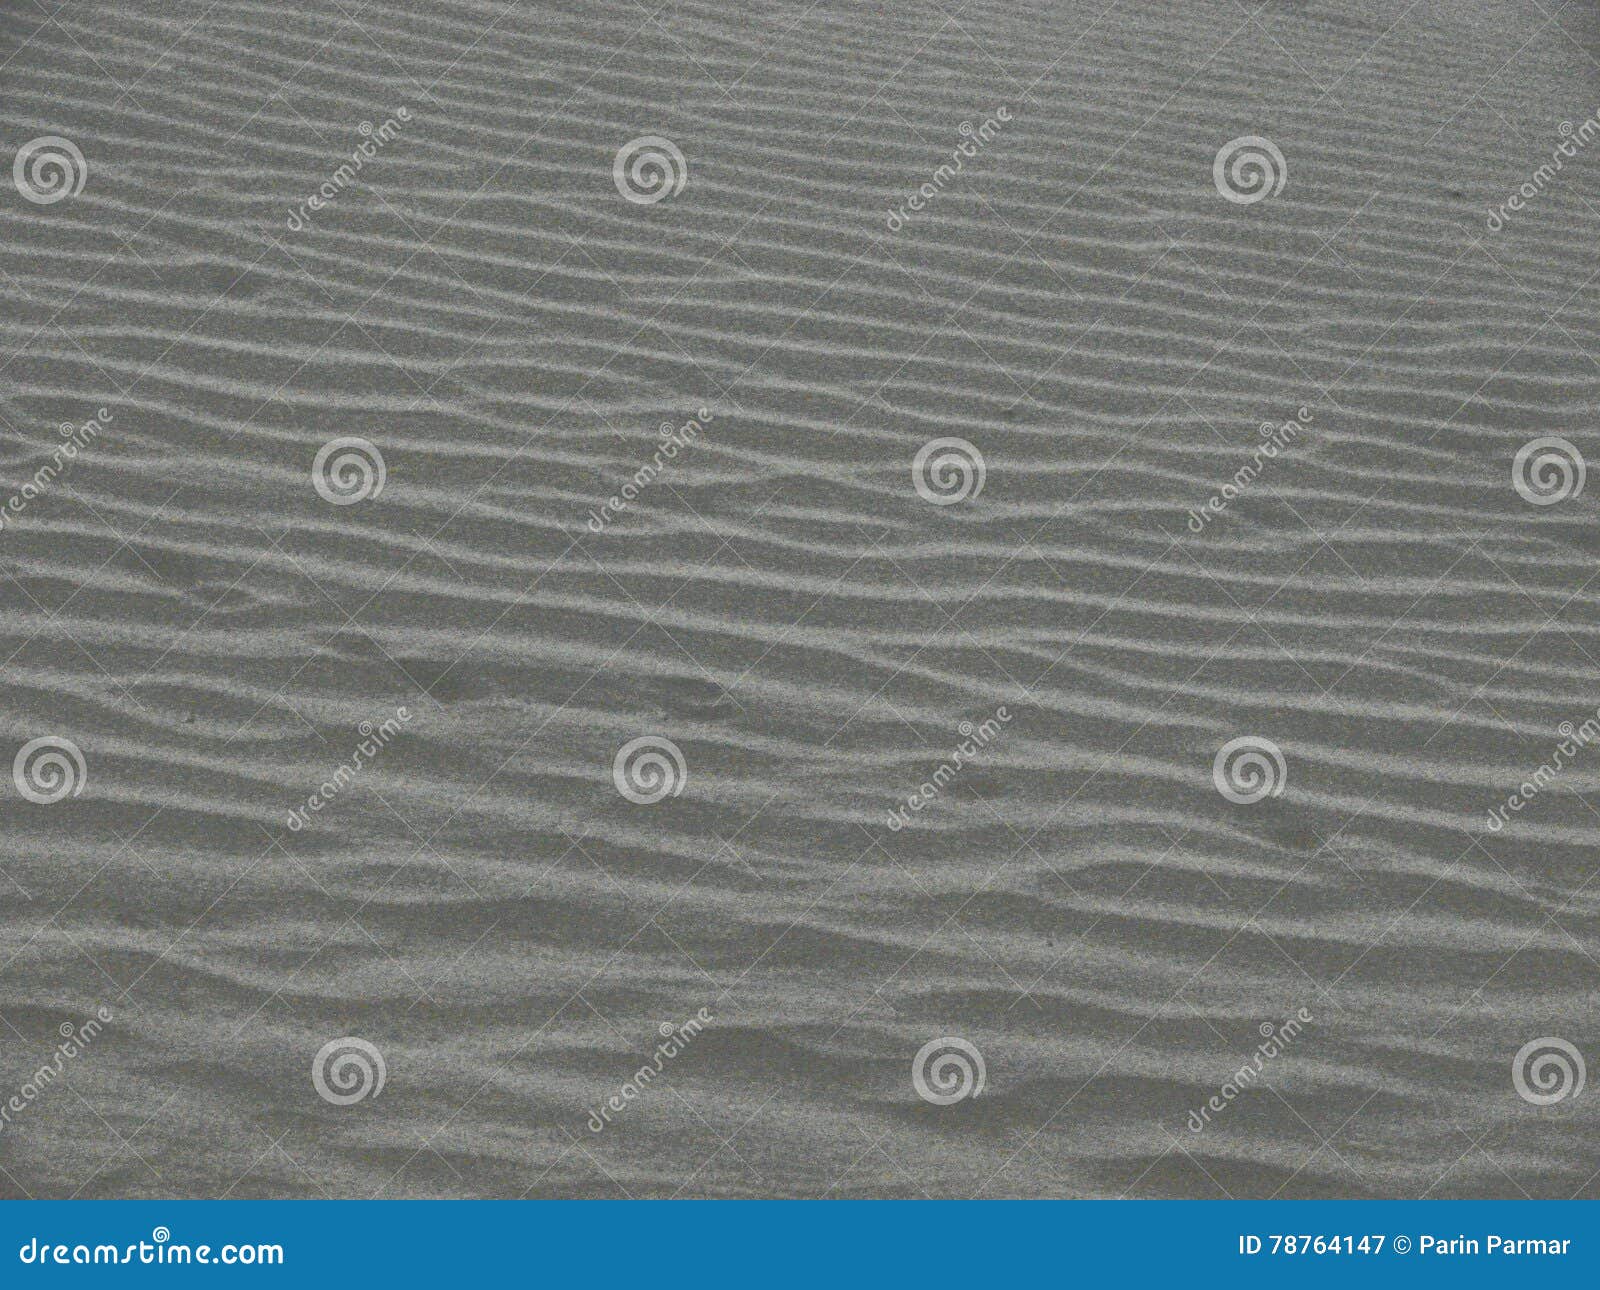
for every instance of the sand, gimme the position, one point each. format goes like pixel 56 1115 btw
pixel 808 298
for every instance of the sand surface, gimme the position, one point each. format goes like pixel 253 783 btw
pixel 1086 310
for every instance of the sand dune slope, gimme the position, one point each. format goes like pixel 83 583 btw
pixel 641 452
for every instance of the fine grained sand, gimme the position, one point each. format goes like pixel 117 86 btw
pixel 1079 903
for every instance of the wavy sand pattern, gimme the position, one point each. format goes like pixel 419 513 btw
pixel 1080 303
